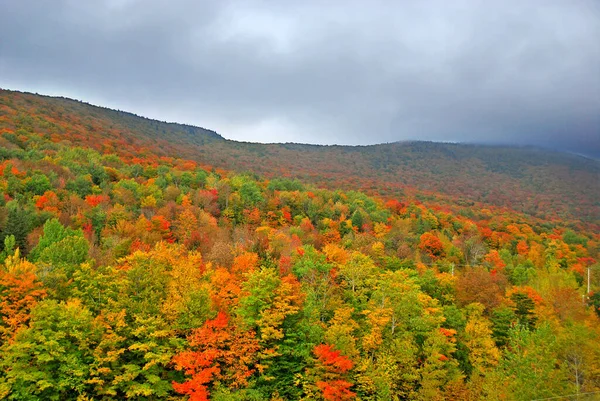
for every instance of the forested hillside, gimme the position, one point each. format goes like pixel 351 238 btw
pixel 545 184
pixel 139 261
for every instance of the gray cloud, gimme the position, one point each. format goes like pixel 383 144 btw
pixel 344 72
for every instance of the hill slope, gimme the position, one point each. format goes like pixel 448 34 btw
pixel 128 272
pixel 545 184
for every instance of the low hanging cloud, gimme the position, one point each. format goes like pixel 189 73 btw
pixel 345 72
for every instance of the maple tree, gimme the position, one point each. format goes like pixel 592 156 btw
pixel 334 366
pixel 219 352
pixel 20 291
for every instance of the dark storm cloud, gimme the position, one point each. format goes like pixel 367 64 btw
pixel 323 72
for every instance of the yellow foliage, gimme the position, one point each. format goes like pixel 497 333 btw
pixel 335 253
pixel 340 332
pixel 15 264
pixel 376 320
pixel 148 201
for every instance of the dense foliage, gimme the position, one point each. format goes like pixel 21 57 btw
pixel 549 185
pixel 127 271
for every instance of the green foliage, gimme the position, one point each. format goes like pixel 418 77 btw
pixel 522 274
pixel 594 302
pixel 530 363
pixel 82 186
pixel 279 184
pixel 37 184
pixel 70 251
pixel 571 238
pixel 53 234
pixel 260 286
pixel 226 394
pixel 503 320
pixel 97 288
pixel 309 262
pixel 251 194
pixel 52 359
pixel 18 224
pixel 9 247
pixel 524 310
pixel 357 219
pixel 146 286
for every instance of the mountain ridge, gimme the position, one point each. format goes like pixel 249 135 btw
pixel 217 135
pixel 541 183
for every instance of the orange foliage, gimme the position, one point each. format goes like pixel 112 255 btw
pixel 224 289
pixel 431 244
pixel 332 358
pixel 522 248
pixel 245 263
pixel 336 390
pixel 335 364
pixel 48 202
pixel 161 225
pixel 527 291
pixel 494 259
pixel 219 352
pixel 20 291
pixel 95 200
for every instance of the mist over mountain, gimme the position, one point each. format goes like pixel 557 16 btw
pixel 353 73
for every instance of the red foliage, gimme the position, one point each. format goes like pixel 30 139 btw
pixel 335 364
pixel 95 200
pixel 306 225
pixel 486 232
pixel 287 216
pixel 48 202
pixel 253 217
pixel 219 352
pixel 447 332
pixel 285 265
pixel 163 226
pixel 332 358
pixel 394 205
pixel 522 248
pixel 336 390
pixel 41 202
pixel 431 244
pixel 494 259
pixel 529 292
pixel 139 245
pixel 88 230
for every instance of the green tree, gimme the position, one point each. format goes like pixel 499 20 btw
pixel 530 365
pixel 82 186
pixel 51 360
pixel 251 194
pixel 503 320
pixel 9 247
pixel 53 232
pixel 70 251
pixel 18 224
pixel 37 184
pixel 523 309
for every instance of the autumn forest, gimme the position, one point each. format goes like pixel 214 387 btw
pixel 146 260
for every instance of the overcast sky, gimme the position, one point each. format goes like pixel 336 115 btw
pixel 345 72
